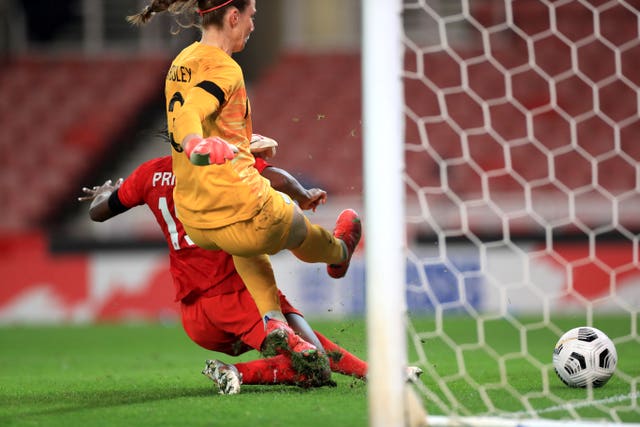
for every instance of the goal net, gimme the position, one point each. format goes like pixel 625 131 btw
pixel 522 203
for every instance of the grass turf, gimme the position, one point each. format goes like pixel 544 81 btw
pixel 149 375
pixel 518 352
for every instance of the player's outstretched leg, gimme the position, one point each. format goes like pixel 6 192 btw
pixel 226 376
pixel 348 229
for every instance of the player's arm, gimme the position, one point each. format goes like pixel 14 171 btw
pixel 284 182
pixel 262 148
pixel 104 199
pixel 202 100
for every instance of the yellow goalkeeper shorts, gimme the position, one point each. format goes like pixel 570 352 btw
pixel 265 233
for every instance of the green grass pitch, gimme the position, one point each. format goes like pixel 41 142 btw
pixel 517 352
pixel 149 375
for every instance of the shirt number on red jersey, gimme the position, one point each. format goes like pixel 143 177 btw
pixel 172 228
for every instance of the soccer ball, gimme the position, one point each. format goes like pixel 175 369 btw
pixel 585 357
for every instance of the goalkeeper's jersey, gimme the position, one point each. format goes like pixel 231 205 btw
pixel 195 271
pixel 205 94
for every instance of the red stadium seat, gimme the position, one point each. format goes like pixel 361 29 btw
pixel 75 111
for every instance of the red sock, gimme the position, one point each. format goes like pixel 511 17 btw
pixel 341 360
pixel 272 370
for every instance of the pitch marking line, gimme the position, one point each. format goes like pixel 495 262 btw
pixel 608 400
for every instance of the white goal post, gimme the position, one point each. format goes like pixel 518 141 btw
pixel 502 206
pixel 384 208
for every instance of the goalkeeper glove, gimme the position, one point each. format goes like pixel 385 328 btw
pixel 209 151
pixel 262 146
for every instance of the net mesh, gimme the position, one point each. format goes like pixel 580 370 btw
pixel 523 191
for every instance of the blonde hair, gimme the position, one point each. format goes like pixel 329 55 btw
pixel 183 7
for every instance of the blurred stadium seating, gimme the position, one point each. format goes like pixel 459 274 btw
pixel 60 118
pixel 310 102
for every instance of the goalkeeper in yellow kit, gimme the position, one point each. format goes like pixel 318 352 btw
pixel 222 200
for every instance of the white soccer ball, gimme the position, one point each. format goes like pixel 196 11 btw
pixel 584 357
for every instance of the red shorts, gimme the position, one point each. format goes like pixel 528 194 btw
pixel 228 323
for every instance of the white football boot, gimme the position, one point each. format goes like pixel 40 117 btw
pixel 413 374
pixel 226 376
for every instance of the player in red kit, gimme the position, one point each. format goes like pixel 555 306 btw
pixel 217 311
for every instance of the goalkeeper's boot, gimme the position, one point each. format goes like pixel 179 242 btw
pixel 281 339
pixel 348 229
pixel 226 376
pixel 413 374
pixel 306 360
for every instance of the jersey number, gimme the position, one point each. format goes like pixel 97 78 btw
pixel 172 228
pixel 176 98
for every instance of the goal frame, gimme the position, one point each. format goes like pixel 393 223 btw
pixel 383 108
pixel 384 202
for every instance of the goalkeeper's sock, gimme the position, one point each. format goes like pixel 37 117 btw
pixel 319 246
pixel 272 370
pixel 273 314
pixel 341 361
pixel 257 274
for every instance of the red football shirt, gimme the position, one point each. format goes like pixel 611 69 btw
pixel 195 271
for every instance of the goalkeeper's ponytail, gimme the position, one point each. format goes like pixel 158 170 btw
pixel 211 11
pixel 156 6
